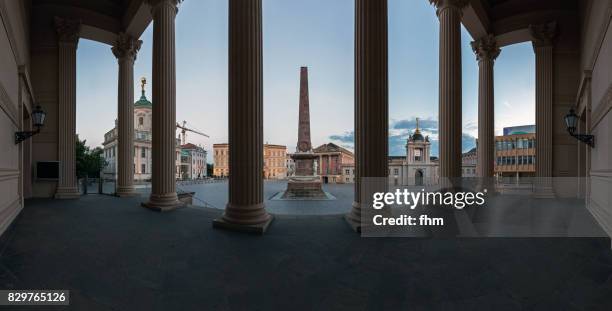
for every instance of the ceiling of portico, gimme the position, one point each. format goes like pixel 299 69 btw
pixel 102 19
pixel 111 8
pixel 503 9
pixel 509 19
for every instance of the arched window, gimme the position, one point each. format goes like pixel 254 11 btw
pixel 140 121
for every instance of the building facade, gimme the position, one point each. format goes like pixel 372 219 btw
pixel 275 157
pixel 142 167
pixel 515 153
pixel 331 158
pixel 275 161
pixel 468 163
pixel 417 167
pixel 348 173
pixel 193 162
pixel 221 160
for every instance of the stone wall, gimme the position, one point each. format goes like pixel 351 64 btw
pixel 596 58
pixel 15 104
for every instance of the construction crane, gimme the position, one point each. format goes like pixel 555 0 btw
pixel 185 129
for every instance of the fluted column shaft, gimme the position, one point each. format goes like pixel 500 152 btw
pixel 163 192
pixel 544 99
pixel 449 13
pixel 543 36
pixel 486 50
pixel 68 35
pixel 371 98
pixel 125 50
pixel 245 209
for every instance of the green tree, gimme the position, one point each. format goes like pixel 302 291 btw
pixel 209 170
pixel 89 162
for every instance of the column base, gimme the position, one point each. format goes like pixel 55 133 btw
pixel 163 203
pixel 244 218
pixel 127 192
pixel 67 193
pixel 353 218
pixel 260 228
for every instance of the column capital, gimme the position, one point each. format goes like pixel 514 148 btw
pixel 155 4
pixel 543 34
pixel 445 4
pixel 126 47
pixel 486 48
pixel 68 30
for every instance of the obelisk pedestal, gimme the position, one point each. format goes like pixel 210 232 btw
pixel 305 183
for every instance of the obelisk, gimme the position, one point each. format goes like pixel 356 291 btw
pixel 304 144
pixel 305 183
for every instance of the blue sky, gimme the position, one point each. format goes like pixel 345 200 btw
pixel 298 33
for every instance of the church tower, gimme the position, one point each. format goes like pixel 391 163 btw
pixel 418 147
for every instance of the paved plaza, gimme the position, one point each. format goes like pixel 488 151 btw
pixel 215 195
pixel 115 255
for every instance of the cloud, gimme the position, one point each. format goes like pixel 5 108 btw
pixel 430 125
pixel 347 137
pixel 471 126
pixel 398 135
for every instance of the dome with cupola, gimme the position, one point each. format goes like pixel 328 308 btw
pixel 417 136
pixel 143 102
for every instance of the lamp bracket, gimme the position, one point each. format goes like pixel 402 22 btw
pixel 587 139
pixel 21 136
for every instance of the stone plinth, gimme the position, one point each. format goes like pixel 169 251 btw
pixel 304 184
pixel 304 187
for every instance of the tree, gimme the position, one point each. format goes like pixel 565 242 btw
pixel 89 162
pixel 210 170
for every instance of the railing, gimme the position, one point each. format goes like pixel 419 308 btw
pixel 203 203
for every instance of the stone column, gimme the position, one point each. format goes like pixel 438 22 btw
pixel 486 50
pixel 125 50
pixel 581 163
pixel 588 128
pixel 163 192
pixel 543 35
pixel 449 13
pixel 68 38
pixel 245 210
pixel 371 100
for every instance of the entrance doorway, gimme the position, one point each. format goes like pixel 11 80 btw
pixel 418 178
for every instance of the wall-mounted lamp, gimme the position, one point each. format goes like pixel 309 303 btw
pixel 38 117
pixel 571 119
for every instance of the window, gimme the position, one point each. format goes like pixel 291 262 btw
pixel 141 121
pixel 417 155
pixel 396 171
pixel 143 169
pixel 143 152
pixel 347 172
